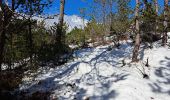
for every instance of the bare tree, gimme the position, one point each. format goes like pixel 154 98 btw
pixel 137 38
pixel 164 39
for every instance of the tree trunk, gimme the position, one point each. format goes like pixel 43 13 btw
pixel 1 31
pixel 61 21
pixel 137 38
pixel 136 48
pixel 111 15
pixel 30 33
pixel 30 41
pixel 11 40
pixel 156 12
pixel 164 39
pixel 13 5
pixel 104 11
pixel 2 43
pixel 61 17
pixel 104 20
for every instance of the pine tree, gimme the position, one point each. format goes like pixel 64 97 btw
pixel 121 21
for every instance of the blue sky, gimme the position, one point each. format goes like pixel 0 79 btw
pixel 72 6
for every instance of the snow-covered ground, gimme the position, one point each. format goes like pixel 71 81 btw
pixel 98 74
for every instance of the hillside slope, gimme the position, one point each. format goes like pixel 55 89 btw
pixel 98 74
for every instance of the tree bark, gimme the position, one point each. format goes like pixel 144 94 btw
pixel 13 5
pixel 111 15
pixel 30 41
pixel 104 11
pixel 2 43
pixel 104 20
pixel 137 38
pixel 1 30
pixel 61 17
pixel 164 39
pixel 11 39
pixel 156 12
pixel 61 21
pixel 30 33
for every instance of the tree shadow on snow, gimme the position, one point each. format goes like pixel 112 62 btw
pixel 58 81
pixel 113 57
pixel 111 94
pixel 142 51
pixel 163 81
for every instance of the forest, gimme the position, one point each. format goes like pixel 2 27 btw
pixel 110 50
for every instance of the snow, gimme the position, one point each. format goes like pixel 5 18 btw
pixel 72 21
pixel 98 74
pixel 168 34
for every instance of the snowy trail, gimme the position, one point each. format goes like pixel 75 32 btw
pixel 97 74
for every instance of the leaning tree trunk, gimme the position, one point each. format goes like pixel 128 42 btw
pixel 164 39
pixel 60 34
pixel 137 38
